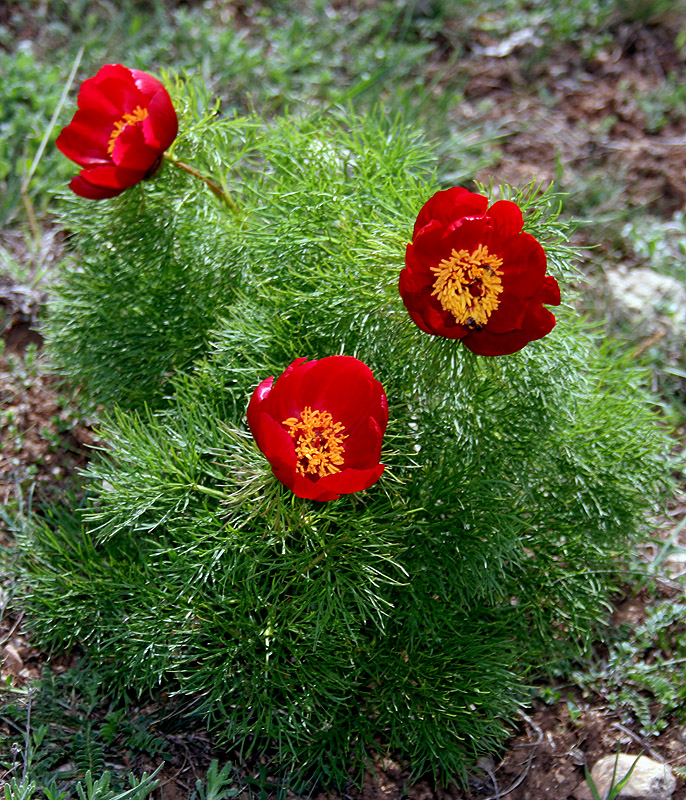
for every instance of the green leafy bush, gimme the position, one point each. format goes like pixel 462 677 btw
pixel 406 618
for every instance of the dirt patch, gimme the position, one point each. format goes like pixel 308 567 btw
pixel 43 441
pixel 544 759
pixel 585 120
pixel 547 758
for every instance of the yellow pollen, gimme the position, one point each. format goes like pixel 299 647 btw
pixel 468 284
pixel 318 442
pixel 137 115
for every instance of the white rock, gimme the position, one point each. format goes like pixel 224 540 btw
pixel 649 779
pixel 649 296
pixel 675 565
pixel 516 40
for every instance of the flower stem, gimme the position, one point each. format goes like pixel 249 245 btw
pixel 209 491
pixel 220 193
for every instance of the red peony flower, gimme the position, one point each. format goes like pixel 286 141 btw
pixel 321 426
pixel 124 124
pixel 471 273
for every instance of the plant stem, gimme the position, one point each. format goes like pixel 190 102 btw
pixel 209 491
pixel 220 193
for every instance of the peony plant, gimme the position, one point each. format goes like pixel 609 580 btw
pixel 380 548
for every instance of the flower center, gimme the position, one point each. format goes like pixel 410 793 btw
pixel 468 284
pixel 137 115
pixel 318 442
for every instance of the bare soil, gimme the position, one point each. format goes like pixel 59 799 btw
pixel 584 121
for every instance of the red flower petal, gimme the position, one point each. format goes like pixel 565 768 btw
pixel 430 241
pixel 288 401
pixel 161 126
pixel 324 383
pixel 90 191
pixel 507 218
pixel 125 119
pixel 112 91
pixel 537 324
pixel 363 447
pixel 466 233
pixel 415 278
pixel 442 323
pixel 449 205
pixel 131 152
pixel 275 442
pixel 509 315
pixel 485 343
pixel 418 320
pixel 337 414
pixel 550 292
pixel 257 401
pixel 351 480
pixel 146 84
pixel 85 139
pixel 378 409
pixel 111 177
pixel 524 265
pixel 307 489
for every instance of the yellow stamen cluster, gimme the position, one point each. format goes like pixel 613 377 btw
pixel 137 115
pixel 468 284
pixel 318 442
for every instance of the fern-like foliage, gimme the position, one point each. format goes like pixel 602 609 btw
pixel 91 758
pixel 408 617
pixel 136 301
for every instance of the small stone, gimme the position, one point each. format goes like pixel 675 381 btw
pixel 649 779
pixel 582 792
